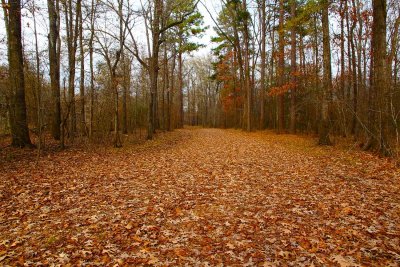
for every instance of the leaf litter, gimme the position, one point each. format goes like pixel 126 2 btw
pixel 202 197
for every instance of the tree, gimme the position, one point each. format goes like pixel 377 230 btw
pixel 263 23
pixel 293 70
pixel 160 22
pixel 82 75
pixel 72 30
pixel 93 9
pixel 192 26
pixel 54 60
pixel 112 58
pixel 38 84
pixel 379 94
pixel 327 78
pixel 281 68
pixel 245 17
pixel 17 110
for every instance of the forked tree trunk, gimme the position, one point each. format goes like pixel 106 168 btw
pixel 72 30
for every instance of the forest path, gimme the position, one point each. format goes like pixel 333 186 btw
pixel 203 197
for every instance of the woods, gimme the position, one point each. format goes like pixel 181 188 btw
pixel 328 68
pixel 199 133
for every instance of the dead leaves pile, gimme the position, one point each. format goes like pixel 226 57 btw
pixel 202 197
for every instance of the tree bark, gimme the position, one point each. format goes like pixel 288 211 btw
pixel 281 69
pixel 38 84
pixel 180 89
pixel 248 87
pixel 294 70
pixel 263 63
pixel 18 117
pixel 92 21
pixel 342 51
pixel 72 39
pixel 379 98
pixel 154 68
pixel 125 94
pixel 82 76
pixel 354 78
pixel 327 78
pixel 54 26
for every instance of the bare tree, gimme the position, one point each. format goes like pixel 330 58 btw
pixel 72 30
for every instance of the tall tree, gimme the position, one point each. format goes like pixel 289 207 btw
pixel 53 8
pixel 192 26
pixel 245 17
pixel 113 57
pixel 327 78
pixel 82 76
pixel 93 9
pixel 263 23
pixel 379 93
pixel 17 111
pixel 38 83
pixel 160 22
pixel 72 30
pixel 294 70
pixel 281 67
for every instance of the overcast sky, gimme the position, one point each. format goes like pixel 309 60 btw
pixel 213 6
pixel 42 23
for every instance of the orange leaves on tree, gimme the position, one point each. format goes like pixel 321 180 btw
pixel 279 90
pixel 231 92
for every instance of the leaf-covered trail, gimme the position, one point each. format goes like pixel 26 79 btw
pixel 202 197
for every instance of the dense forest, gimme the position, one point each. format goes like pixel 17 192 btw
pixel 106 68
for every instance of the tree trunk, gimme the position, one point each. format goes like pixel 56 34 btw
pixel 117 138
pixel 315 124
pixel 263 63
pixel 92 20
pixel 248 87
pixel 327 78
pixel 82 78
pixel 18 118
pixel 72 38
pixel 165 87
pixel 342 52
pixel 126 86
pixel 38 84
pixel 170 93
pixel 294 70
pixel 54 24
pixel 180 89
pixel 154 68
pixel 379 105
pixel 281 69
